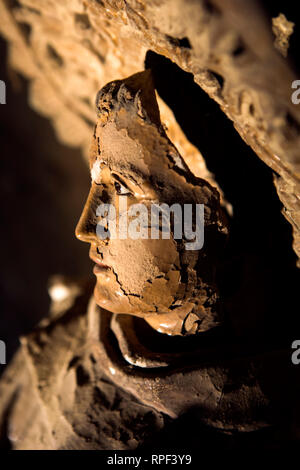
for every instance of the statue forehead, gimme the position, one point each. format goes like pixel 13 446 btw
pixel 117 149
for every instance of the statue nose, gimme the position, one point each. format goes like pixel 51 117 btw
pixel 86 228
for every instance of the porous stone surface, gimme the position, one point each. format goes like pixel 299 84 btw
pixel 87 379
pixel 69 50
pixel 69 387
pixel 282 28
pixel 58 397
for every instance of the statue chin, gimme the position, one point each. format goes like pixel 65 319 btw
pixel 183 320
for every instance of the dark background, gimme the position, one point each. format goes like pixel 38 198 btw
pixel 43 185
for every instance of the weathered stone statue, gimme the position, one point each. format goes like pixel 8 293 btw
pixel 116 368
pixel 133 162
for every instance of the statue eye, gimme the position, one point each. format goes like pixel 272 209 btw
pixel 121 189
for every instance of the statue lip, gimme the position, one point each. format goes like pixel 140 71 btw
pixel 99 266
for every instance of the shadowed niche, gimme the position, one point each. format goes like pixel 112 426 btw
pixel 258 275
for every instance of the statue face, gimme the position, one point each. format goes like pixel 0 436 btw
pixel 133 162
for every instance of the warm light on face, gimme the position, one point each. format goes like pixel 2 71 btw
pixel 146 215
